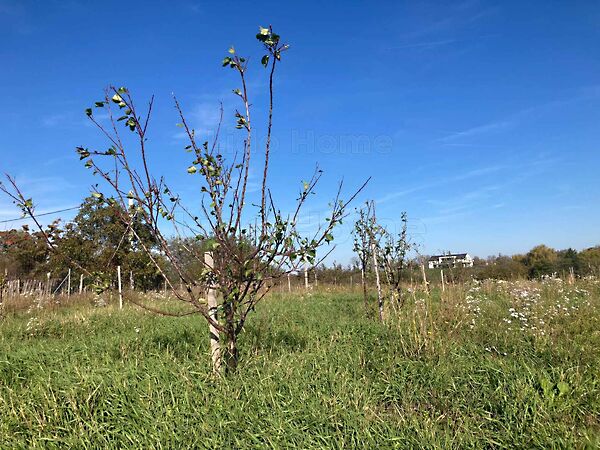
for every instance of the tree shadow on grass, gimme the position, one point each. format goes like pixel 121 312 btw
pixel 261 340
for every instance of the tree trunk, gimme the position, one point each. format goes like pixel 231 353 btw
pixel 231 351
pixel 1 298
pixel 232 356
pixel 215 346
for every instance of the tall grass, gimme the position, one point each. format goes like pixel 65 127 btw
pixel 444 372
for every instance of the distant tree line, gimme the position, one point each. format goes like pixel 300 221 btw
pixel 538 262
pixel 99 241
pixel 96 239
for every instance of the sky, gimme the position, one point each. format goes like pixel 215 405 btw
pixel 479 119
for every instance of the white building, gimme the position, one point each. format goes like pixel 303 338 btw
pixel 450 260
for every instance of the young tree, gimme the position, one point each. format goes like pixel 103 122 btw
pixel 394 251
pixel 362 248
pixel 252 245
pixel 367 236
pixel 375 245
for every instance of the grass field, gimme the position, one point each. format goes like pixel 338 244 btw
pixel 502 365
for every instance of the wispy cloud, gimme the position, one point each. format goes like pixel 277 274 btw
pixel 455 18
pixel 14 213
pixel 442 181
pixel 487 197
pixel 453 216
pixel 480 129
pixel 424 45
pixel 470 199
pixel 518 117
pixel 439 43
pixel 43 190
pixel 193 7
pixel 13 17
pixel 203 118
pixel 54 120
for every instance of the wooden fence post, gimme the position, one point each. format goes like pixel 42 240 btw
pixel 120 287
pixel 425 283
pixel 443 283
pixel 289 283
pixel 69 283
pixel 377 280
pixel 2 286
pixel 48 284
pixel 305 278
pixel 80 284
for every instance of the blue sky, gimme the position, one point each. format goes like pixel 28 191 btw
pixel 480 119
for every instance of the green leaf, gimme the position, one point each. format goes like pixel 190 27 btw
pixel 117 98
pixel 231 50
pixel 192 169
pixel 265 60
pixel 211 244
pixel 263 31
pixel 547 388
pixel 88 112
pixel 563 388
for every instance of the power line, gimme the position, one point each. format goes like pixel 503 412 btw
pixel 40 215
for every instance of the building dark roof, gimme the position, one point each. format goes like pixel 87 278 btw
pixel 458 255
